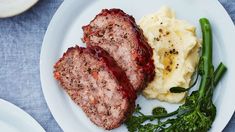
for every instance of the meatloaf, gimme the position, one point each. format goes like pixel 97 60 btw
pixel 117 33
pixel 94 81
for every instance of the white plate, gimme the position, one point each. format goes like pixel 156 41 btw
pixel 65 31
pixel 10 8
pixel 13 119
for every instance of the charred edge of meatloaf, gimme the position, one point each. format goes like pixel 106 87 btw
pixel 144 53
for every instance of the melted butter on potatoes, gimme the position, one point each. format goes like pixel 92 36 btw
pixel 175 53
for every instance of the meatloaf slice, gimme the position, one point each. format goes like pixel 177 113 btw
pixel 95 82
pixel 117 33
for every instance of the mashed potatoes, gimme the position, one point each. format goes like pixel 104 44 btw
pixel 175 53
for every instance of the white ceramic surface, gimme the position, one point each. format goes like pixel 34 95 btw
pixel 65 31
pixel 14 119
pixel 10 8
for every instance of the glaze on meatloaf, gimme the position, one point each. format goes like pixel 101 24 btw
pixel 117 33
pixel 94 81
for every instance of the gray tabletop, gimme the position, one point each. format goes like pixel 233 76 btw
pixel 20 44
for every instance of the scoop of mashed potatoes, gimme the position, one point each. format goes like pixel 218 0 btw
pixel 175 53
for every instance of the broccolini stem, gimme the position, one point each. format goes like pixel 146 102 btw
pixel 206 63
pixel 221 69
pixel 219 72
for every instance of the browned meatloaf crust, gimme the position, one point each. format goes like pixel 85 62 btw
pixel 95 82
pixel 117 33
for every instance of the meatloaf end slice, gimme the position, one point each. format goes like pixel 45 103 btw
pixel 95 82
pixel 117 33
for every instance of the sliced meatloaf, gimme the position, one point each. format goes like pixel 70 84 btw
pixel 117 33
pixel 94 81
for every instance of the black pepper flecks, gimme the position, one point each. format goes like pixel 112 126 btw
pixel 168 68
pixel 177 65
pixel 125 36
pixel 174 51
pixel 156 39
pixel 101 33
pixel 89 70
pixel 169 55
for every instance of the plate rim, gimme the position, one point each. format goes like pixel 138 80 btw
pixel 60 10
pixel 10 106
pixel 23 7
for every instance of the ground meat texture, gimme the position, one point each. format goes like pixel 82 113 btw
pixel 95 82
pixel 117 33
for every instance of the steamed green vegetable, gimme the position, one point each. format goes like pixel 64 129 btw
pixel 198 112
